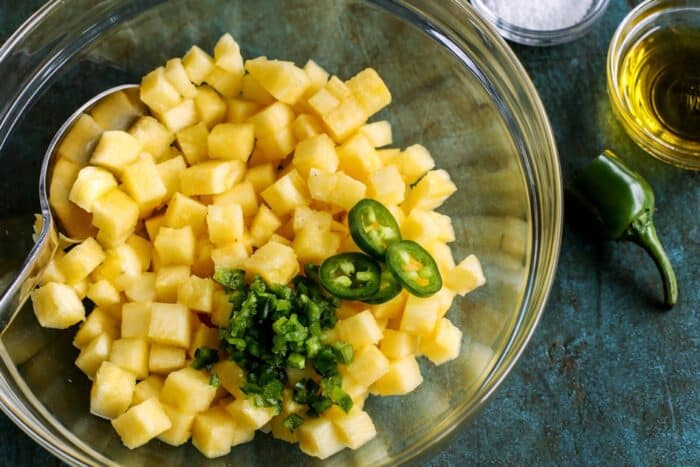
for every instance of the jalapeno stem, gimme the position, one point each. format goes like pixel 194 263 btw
pixel 643 233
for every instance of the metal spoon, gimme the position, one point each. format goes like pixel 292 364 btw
pixel 46 243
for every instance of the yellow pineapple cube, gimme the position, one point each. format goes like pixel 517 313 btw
pixel 74 220
pixel 143 250
pixel 157 92
pixel 345 119
pixel 214 432
pixel 234 141
pixel 227 55
pixel 358 157
pixel 305 126
pixel 171 324
pixel 181 116
pixel 272 119
pixel 196 294
pixel 211 177
pixel 261 176
pixel 307 217
pixel 164 359
pixel 357 392
pixel 146 389
pixel 211 107
pixel 443 257
pixel 386 185
pixel 78 143
pixel 430 192
pixel 444 344
pixel 355 428
pixel 313 245
pixel 397 344
pixel 338 88
pixel 242 194
pixel 225 223
pixel 131 354
pixel 221 308
pixel 232 377
pixel 229 256
pixel 153 225
pixel 226 83
pixel 283 80
pixel 115 214
pixel 188 390
pixel 51 272
pixel 177 76
pixel 315 152
pixel 193 142
pixel 389 156
pixel 175 246
pixel 369 89
pixel 240 110
pixel 57 306
pixel 403 377
pixel 248 415
pixel 81 260
pixel 92 182
pixel 286 193
pixel 423 227
pixel 184 211
pixel 276 146
pixel 368 365
pixel 466 276
pixel 323 102
pixel 181 429
pixel 115 150
pixel 98 322
pixel 347 191
pixel 378 133
pixel 103 293
pixel 414 162
pixel 274 262
pixel 142 182
pixel 359 330
pixel 321 185
pixel 111 391
pixel 169 173
pixel 251 90
pixel 141 423
pixel 116 111
pixel 318 77
pixel 264 224
pixel 203 336
pixel 318 438
pixel 93 354
pixel 420 315
pixel 80 288
pixel 198 64
pixel 135 319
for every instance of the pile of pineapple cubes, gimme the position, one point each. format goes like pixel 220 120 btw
pixel 235 164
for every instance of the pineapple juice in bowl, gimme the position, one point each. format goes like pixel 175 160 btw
pixel 507 254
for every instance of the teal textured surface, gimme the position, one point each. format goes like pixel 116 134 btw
pixel 607 378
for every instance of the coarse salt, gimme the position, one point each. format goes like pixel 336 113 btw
pixel 540 15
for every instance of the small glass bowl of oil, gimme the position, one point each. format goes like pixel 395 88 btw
pixel 654 79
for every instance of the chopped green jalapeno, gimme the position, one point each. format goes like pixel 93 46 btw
pixel 350 276
pixel 415 269
pixel 389 287
pixel 373 227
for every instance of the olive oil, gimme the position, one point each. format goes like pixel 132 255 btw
pixel 660 79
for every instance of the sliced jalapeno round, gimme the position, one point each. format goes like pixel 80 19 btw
pixel 389 287
pixel 414 267
pixel 350 276
pixel 373 227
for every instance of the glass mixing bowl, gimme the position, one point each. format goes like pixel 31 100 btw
pixel 458 89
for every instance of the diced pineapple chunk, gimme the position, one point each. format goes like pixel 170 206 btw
pixel 243 194
pixel 142 182
pixel 226 83
pixel 196 294
pixel 227 55
pixel 141 423
pixel 276 146
pixel 221 309
pixel 115 214
pixel 389 156
pixel 175 246
pixel 111 391
pixel 313 245
pixel 272 119
pixel 466 276
pixel 225 223
pixel 93 354
pixel 203 336
pixel 135 319
pixel 307 217
pixel 338 88
pixel 57 306
pixel 181 116
pixel 261 176
pixel 131 354
pixel 74 220
pixel 92 182
pixel 443 345
pixel 355 428
pixel 193 142
pixel 115 150
pixel 359 330
pixel 169 172
pixel 430 192
pixel 81 260
pixel 103 293
pixel 347 191
pixel 143 250
pixel 240 110
pixel 164 359
pixel 397 344
pixel 198 64
pixel 318 438
pixel 369 89
pixel 146 389
pixel 286 193
pixel 443 257
pixel 229 256
pixel 98 322
pixel 232 377
pixel 427 226
pixel 247 414
pixel 414 162
pixel 232 141
pixel 168 279
pixel 251 90
pixel 284 80
pixel 214 432
pixel 153 225
pixel 420 315
pixel 211 178
pixel 116 111
pixel 177 76
pixel 358 157
pixel 315 152
pixel 378 133
pixel 211 107
pixel 188 390
pixel 323 102
pixel 318 77
pixel 305 126
pixel 78 143
pixel 387 186
pixel 345 119
pixel 170 324
pixel 274 262
pixel 403 377
pixel 368 365
pixel 184 211
pixel 181 429
pixel 157 92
